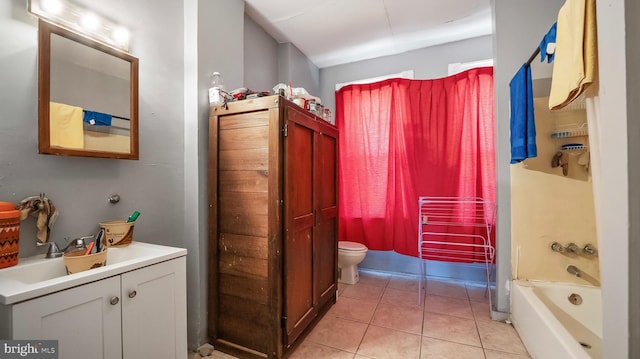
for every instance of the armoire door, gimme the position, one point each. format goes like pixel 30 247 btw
pixel 299 304
pixel 326 227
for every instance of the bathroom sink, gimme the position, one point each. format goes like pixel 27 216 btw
pixel 32 270
pixel 36 276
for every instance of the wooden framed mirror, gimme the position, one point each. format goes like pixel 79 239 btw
pixel 87 96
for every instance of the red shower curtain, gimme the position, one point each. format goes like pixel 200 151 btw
pixel 401 139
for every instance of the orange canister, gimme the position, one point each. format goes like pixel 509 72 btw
pixel 9 234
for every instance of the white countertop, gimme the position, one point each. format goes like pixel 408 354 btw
pixel 36 276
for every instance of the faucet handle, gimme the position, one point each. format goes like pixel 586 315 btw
pixel 53 251
pixel 589 249
pixel 572 248
pixel 85 238
pixel 76 244
pixel 557 247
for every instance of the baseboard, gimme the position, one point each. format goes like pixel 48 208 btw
pixel 390 261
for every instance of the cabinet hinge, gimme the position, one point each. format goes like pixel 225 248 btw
pixel 283 322
pixel 285 130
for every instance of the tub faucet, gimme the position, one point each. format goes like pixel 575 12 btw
pixel 574 270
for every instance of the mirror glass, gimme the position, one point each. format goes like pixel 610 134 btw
pixel 87 97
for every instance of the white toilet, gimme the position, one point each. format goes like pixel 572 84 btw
pixel 350 254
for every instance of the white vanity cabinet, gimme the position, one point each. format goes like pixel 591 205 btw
pixel 82 319
pixel 154 311
pixel 136 314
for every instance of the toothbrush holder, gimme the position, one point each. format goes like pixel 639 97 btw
pixel 76 261
pixel 117 233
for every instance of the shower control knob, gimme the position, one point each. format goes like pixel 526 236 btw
pixel 589 249
pixel 114 198
pixel 557 247
pixel 572 248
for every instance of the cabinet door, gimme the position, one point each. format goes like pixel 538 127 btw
pixel 326 231
pixel 299 227
pixel 82 319
pixel 154 311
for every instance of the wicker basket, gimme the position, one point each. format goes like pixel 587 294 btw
pixel 9 234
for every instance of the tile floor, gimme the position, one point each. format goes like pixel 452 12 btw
pixel 380 318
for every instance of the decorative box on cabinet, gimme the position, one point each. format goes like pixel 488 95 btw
pixel 273 221
pixel 137 314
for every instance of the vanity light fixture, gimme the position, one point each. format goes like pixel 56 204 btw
pixel 52 6
pixel 90 22
pixel 82 21
pixel 121 35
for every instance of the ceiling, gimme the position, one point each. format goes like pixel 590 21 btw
pixel 334 32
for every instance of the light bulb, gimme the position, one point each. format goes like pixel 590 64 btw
pixel 121 35
pixel 53 7
pixel 90 21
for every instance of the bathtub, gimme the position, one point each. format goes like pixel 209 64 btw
pixel 550 326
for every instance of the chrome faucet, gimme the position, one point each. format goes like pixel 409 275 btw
pixel 55 252
pixel 574 270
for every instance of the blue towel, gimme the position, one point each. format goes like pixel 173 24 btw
pixel 523 127
pixel 96 118
pixel 549 38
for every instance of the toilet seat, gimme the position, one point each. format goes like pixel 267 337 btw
pixel 351 246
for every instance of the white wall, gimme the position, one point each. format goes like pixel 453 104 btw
pixel 178 46
pixel 632 28
pixel 617 208
pixel 78 186
pixel 294 67
pixel 82 92
pixel 208 48
pixel 194 125
pixel 548 206
pixel 612 194
pixel 260 57
pixel 427 63
pixel 519 25
pixel 267 63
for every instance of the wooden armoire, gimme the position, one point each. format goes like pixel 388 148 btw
pixel 273 224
